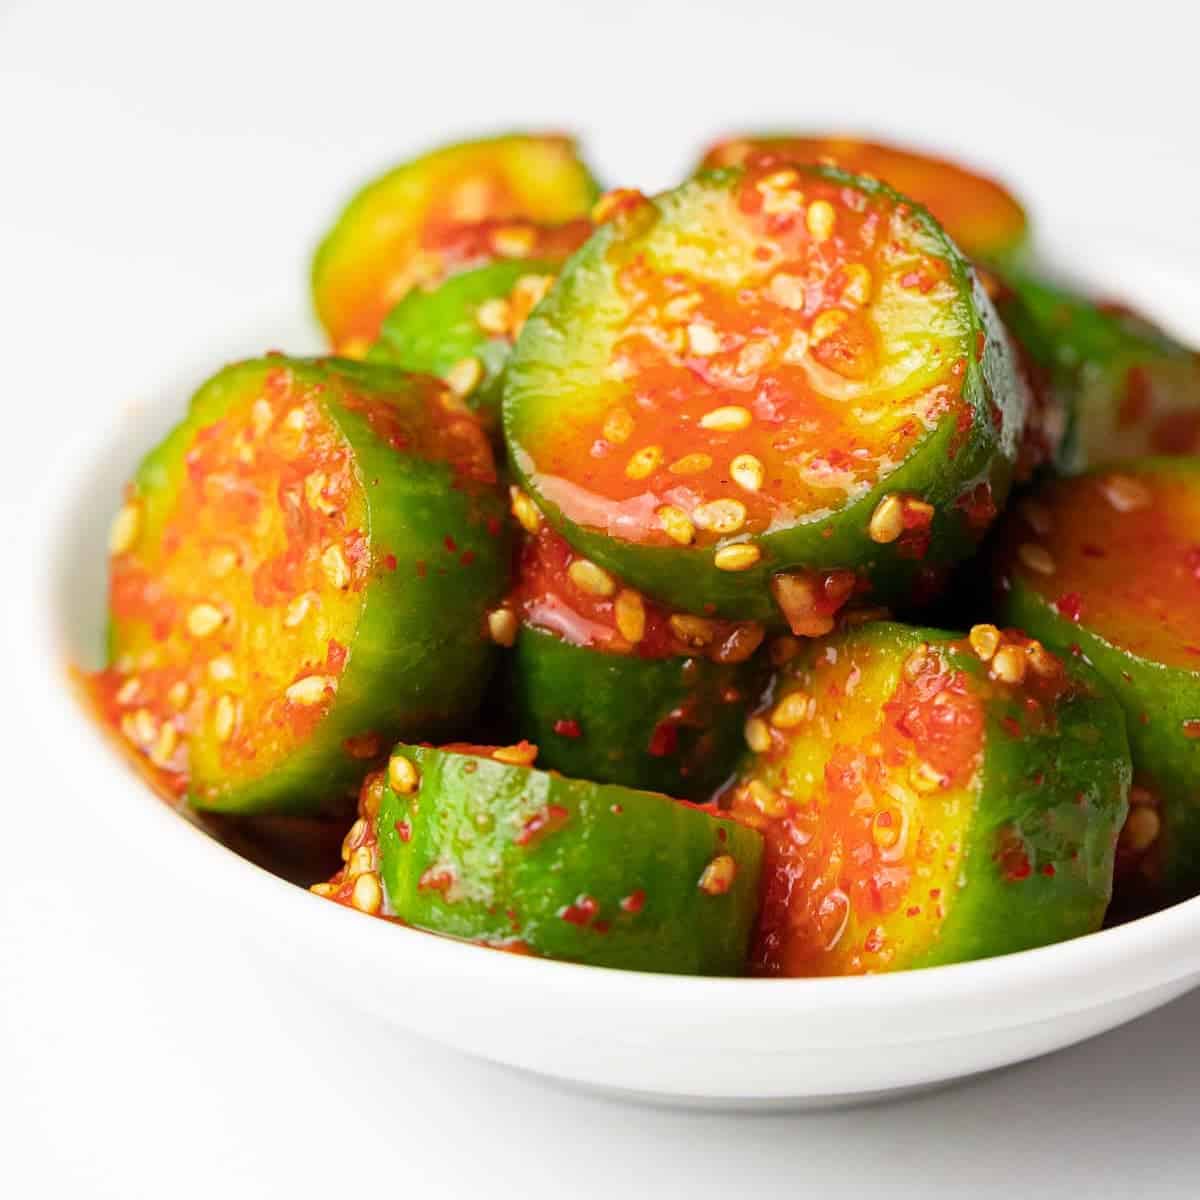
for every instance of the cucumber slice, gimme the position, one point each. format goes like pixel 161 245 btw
pixel 1126 389
pixel 613 687
pixel 302 571
pixel 476 843
pixel 452 208
pixel 463 330
pixel 930 799
pixel 1107 565
pixel 784 385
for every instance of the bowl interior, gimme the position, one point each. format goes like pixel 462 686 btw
pixel 68 607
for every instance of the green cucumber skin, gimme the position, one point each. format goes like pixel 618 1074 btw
pixel 618 700
pixel 1088 354
pixel 679 575
pixel 1157 699
pixel 614 843
pixel 1063 792
pixel 431 330
pixel 420 659
pixel 1032 785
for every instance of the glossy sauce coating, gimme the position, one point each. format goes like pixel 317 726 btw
pixel 592 608
pixel 784 343
pixel 1118 552
pixel 236 589
pixel 978 213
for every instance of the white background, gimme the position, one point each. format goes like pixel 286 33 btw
pixel 165 169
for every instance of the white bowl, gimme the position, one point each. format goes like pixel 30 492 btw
pixel 731 1043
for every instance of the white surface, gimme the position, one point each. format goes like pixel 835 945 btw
pixel 162 168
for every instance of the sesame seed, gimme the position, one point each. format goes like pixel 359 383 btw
pixel 502 626
pixel 827 323
pixel 821 219
pixel 403 777
pixel 314 493
pixel 644 462
pixel 296 420
pixel 590 578
pixel 717 878
pixel 1008 664
pixel 758 735
pixel 333 563
pixel 178 694
pixel 630 615
pixel 740 643
pixel 791 711
pixel 261 416
pixel 679 308
pixel 1036 558
pixel 984 640
pixel 925 777
pixel 493 316
pixel 145 727
pixel 363 860
pixel 857 290
pixel 727 419
pixel 887 521
pixel 311 689
pixel 747 472
pixel 1125 493
pixel 123 531
pixel 523 754
pixel 1141 830
pixel 785 177
pixel 322 889
pixel 741 556
pixel 618 425
pixel 779 193
pixel 367 895
pixel 696 632
pixel 127 693
pixel 691 464
pixel 297 609
pixel 221 668
pixel 788 291
pixel 720 516
pixel 524 509
pixel 464 376
pixel 224 717
pixel 703 339
pixel 164 746
pixel 676 524
pixel 221 560
pixel 527 293
pixel 765 799
pixel 203 620
pixel 513 241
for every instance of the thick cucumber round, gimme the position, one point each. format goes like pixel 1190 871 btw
pixel 765 391
pixel 983 217
pixel 1108 566
pixel 463 330
pixel 454 207
pixel 614 688
pixel 475 843
pixel 300 573
pixel 1126 389
pixel 930 799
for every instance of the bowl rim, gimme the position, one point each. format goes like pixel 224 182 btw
pixel 1153 950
